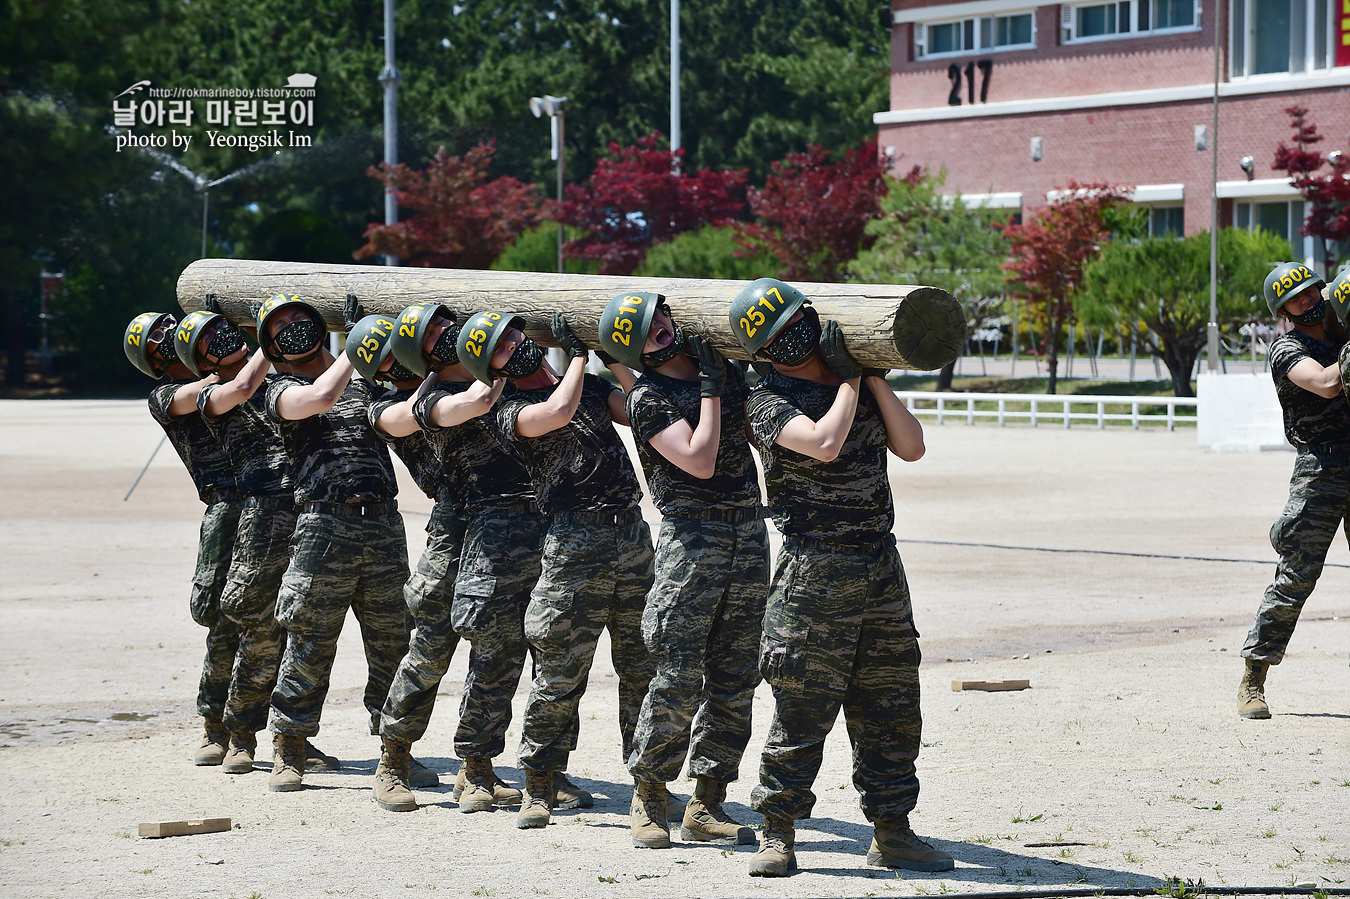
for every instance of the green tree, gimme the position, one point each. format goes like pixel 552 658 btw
pixel 926 238
pixel 709 252
pixel 1163 282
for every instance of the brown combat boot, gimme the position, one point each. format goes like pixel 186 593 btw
pixel 776 856
pixel 391 777
pixel 536 808
pixel 705 820
pixel 568 794
pixel 1251 693
pixel 502 792
pixel 239 758
pixel 894 845
pixel 214 740
pixel 651 830
pixel 288 763
pixel 478 792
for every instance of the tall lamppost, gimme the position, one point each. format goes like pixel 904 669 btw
pixel 390 78
pixel 554 108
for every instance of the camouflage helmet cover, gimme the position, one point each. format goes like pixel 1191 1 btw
pixel 761 310
pixel 478 337
pixel 1287 280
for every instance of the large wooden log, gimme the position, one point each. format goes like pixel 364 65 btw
pixel 885 325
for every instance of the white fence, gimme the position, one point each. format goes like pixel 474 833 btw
pixel 1043 408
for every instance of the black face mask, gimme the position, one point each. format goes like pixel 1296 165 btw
pixel 444 350
pixel 795 342
pixel 1312 316
pixel 399 372
pixel 658 358
pixel 299 338
pixel 165 355
pixel 525 361
pixel 225 342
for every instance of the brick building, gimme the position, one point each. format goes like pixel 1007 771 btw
pixel 1016 99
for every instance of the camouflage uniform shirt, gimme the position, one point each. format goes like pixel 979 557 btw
pixel 1309 419
pixel 655 403
pixel 201 453
pixel 426 469
pixel 582 466
pixel 491 470
pixel 335 457
pixel 251 442
pixel 847 501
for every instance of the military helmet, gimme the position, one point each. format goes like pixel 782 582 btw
pixel 408 337
pixel 265 311
pixel 478 337
pixel 193 325
pixel 1285 281
pixel 136 340
pixel 761 310
pixel 624 325
pixel 368 345
pixel 1339 291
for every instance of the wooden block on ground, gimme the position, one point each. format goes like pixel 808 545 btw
pixel 183 828
pixel 991 686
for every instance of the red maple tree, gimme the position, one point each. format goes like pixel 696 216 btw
pixel 814 213
pixel 1327 196
pixel 639 196
pixel 459 218
pixel 1047 253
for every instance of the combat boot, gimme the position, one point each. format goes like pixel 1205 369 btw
pixel 318 760
pixel 705 820
pixel 651 830
pixel 1251 693
pixel 391 777
pixel 502 792
pixel 214 740
pixel 479 783
pixel 568 794
pixel 894 845
pixel 776 856
pixel 239 759
pixel 536 807
pixel 288 763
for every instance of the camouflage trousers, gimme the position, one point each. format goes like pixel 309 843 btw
pixel 261 554
pixel 595 576
pixel 838 630
pixel 702 625
pixel 214 548
pixel 499 567
pixel 1318 506
pixel 339 562
pixel 427 593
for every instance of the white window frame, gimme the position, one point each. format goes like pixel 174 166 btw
pixel 921 34
pixel 1154 207
pixel 1309 42
pixel 1068 23
pixel 1245 207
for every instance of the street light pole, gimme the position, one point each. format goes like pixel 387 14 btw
pixel 674 75
pixel 1213 351
pixel 390 78
pixel 555 108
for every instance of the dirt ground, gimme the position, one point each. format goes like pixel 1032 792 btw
pixel 1127 750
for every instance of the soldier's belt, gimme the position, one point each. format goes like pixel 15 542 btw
pixel 726 516
pixel 522 507
pixel 213 495
pixel 846 549
pixel 360 510
pixel 617 517
pixel 276 503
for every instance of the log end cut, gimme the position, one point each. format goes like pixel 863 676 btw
pixel 929 329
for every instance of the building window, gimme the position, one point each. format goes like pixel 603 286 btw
pixel 1016 31
pixel 1166 221
pixel 1281 37
pixel 1281 217
pixel 1128 18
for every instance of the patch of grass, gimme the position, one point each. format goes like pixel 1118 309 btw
pixel 982 840
pixel 1268 833
pixel 603 879
pixel 1020 819
pixel 1066 852
pixel 124 834
pixel 1131 857
pixel 143 871
pixel 647 876
pixel 483 891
